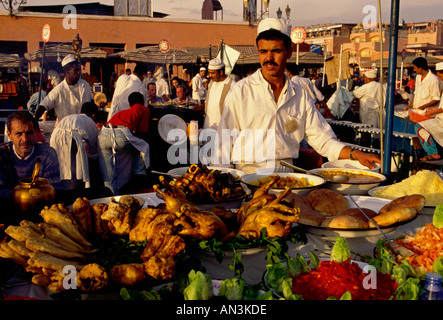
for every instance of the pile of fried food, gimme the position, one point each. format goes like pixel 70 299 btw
pixel 330 209
pixel 203 185
pixel 67 235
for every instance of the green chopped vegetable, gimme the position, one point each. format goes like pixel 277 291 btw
pixel 340 251
pixel 232 289
pixel 199 287
pixel 437 219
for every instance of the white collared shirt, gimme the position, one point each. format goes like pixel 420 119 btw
pixel 264 124
pixel 426 90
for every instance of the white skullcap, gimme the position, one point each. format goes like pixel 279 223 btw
pixel 216 64
pixel 371 74
pixel 276 24
pixel 439 66
pixel 202 69
pixel 68 59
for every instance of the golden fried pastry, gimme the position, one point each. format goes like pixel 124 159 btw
pixel 327 201
pixel 128 274
pixel 92 277
pixel 100 225
pixel 160 268
pixel 395 215
pixel 82 212
pixel 344 222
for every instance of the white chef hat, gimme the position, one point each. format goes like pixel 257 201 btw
pixel 216 64
pixel 371 74
pixel 276 24
pixel 439 66
pixel 202 69
pixel 68 59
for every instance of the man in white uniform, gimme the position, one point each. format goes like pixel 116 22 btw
pixel 75 141
pixel 369 95
pixel 218 89
pixel 430 132
pixel 267 115
pixel 69 95
pixel 163 88
pixel 427 86
pixel 125 85
pixel 198 89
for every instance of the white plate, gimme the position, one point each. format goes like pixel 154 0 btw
pixel 116 198
pixel 316 181
pixel 349 164
pixel 425 210
pixel 169 122
pixel 372 203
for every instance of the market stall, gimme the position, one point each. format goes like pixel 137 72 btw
pixel 210 249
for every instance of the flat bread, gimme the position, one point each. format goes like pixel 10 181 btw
pixel 344 222
pixel 327 201
pixel 355 212
pixel 414 201
pixel 311 218
pixel 395 215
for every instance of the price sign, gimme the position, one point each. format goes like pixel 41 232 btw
pixel 46 33
pixel 164 46
pixel 298 35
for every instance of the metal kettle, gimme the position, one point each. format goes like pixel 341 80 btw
pixel 33 193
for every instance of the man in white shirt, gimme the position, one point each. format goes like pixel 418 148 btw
pixel 427 86
pixel 198 89
pixel 267 116
pixel 75 139
pixel 69 95
pixel 125 85
pixel 217 90
pixel 430 132
pixel 369 95
pixel 163 88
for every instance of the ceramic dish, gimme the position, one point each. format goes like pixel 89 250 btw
pixel 170 122
pixel 372 203
pixel 353 188
pixel 314 181
pixel 349 164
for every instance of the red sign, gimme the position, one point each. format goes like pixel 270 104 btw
pixel 298 35
pixel 164 46
pixel 46 33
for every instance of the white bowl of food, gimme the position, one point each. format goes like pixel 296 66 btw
pixel 359 183
pixel 299 182
pixel 349 164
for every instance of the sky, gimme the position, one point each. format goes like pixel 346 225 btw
pixel 303 13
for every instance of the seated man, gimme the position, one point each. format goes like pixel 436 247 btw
pixel 19 155
pixel 182 96
pixel 121 144
pixel 152 94
pixel 75 140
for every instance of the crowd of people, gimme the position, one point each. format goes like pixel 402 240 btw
pixel 275 110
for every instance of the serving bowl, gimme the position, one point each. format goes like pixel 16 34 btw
pixel 349 164
pixel 251 181
pixel 360 182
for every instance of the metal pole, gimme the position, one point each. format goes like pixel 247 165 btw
pixel 41 74
pixel 380 29
pixel 395 6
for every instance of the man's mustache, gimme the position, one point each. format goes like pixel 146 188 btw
pixel 272 63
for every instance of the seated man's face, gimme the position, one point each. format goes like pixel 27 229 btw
pixel 23 136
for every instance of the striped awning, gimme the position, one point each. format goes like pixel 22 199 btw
pixel 152 54
pixel 61 50
pixel 10 61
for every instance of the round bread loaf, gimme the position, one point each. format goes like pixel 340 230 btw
pixel 311 218
pixel 344 222
pixel 355 212
pixel 414 201
pixel 327 201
